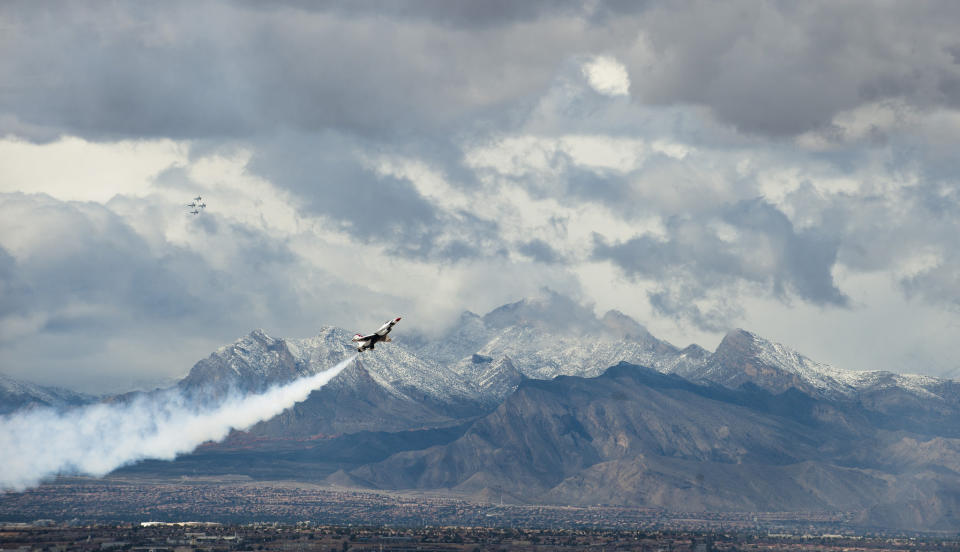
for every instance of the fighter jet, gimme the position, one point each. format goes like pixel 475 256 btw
pixel 202 205
pixel 194 212
pixel 192 204
pixel 198 198
pixel 365 342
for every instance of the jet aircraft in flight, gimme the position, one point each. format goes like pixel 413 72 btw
pixel 365 342
pixel 197 205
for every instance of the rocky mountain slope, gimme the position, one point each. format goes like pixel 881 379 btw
pixel 637 437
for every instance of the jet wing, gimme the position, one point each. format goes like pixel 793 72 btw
pixel 359 337
pixel 387 326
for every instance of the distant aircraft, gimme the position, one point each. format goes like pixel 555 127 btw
pixel 203 205
pixel 194 212
pixel 198 198
pixel 192 204
pixel 365 342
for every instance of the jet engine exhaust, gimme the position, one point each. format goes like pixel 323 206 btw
pixel 37 444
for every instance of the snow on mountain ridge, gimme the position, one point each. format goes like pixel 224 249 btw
pixel 831 379
pixel 15 393
pixel 262 360
pixel 441 368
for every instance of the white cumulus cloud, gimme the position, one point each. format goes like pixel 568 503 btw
pixel 607 76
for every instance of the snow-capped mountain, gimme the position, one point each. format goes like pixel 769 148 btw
pixel 482 359
pixel 553 336
pixel 250 364
pixel 467 336
pixel 418 383
pixel 256 361
pixel 389 389
pixel 744 357
pixel 16 394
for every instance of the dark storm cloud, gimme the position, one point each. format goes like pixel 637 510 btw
pixel 679 301
pixel 540 251
pixel 606 187
pixel 803 259
pixel 460 14
pixel 188 70
pixel 15 294
pixel 693 260
pixel 214 69
pixel 785 68
pixel 332 177
pixel 912 232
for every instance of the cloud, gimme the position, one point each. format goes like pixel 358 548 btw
pixel 782 70
pixel 607 76
pixel 332 180
pixel 83 277
pixel 142 71
pixel 539 250
pixel 455 14
pixel 695 165
pixel 380 71
pixel 71 168
pixel 747 242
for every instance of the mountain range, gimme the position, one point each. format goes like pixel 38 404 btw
pixel 541 401
pixel 16 394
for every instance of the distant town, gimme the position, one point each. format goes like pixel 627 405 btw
pixel 83 502
pixel 192 536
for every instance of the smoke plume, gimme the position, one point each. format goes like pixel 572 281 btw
pixel 39 443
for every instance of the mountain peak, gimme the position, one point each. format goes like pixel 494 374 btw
pixel 260 335
pixel 737 337
pixel 251 363
pixel 743 357
pixel 468 316
pixel 552 309
pixel 694 351
pixel 624 326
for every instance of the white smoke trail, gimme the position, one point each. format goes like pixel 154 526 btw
pixel 96 439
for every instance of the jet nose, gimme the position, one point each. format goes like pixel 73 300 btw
pixel 397 320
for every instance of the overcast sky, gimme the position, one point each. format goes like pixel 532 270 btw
pixel 789 168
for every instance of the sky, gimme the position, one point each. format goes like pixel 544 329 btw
pixel 789 168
